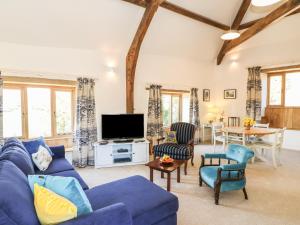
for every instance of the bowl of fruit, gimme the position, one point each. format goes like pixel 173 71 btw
pixel 166 160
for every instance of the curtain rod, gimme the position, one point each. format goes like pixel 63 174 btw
pixel 171 90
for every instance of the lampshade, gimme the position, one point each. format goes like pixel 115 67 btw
pixel 262 3
pixel 230 35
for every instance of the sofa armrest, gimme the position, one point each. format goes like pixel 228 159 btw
pixel 58 151
pixel 115 214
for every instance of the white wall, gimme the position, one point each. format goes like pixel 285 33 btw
pixel 232 73
pixel 62 63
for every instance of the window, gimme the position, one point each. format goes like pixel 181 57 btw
pixel 175 107
pixel 275 90
pixel 292 91
pixel 39 112
pixel 12 112
pixel 33 110
pixel 284 89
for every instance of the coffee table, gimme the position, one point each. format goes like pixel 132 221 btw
pixel 156 165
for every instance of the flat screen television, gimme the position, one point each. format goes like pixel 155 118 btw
pixel 122 126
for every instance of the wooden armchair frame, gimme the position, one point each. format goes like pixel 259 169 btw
pixel 232 167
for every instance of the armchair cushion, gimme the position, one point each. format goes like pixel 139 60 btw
pixel 176 151
pixel 209 176
pixel 184 132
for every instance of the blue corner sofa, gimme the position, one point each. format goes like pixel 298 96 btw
pixel 130 201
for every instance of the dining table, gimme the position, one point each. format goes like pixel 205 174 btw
pixel 249 132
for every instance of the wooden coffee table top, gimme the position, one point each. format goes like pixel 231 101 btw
pixel 155 164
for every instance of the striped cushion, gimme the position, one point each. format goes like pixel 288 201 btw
pixel 175 151
pixel 184 132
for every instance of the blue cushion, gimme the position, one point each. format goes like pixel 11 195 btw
pixel 146 202
pixel 19 157
pixel 13 142
pixel 33 145
pixel 72 173
pixel 16 198
pixel 67 187
pixel 209 176
pixel 57 165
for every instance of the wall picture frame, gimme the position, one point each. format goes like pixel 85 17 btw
pixel 230 94
pixel 206 95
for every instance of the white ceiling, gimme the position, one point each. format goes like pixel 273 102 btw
pixel 109 25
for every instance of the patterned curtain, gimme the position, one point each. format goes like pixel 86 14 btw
pixel 1 110
pixel 86 125
pixel 194 113
pixel 154 123
pixel 253 104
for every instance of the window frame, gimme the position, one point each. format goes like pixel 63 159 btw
pixel 24 105
pixel 283 87
pixel 174 94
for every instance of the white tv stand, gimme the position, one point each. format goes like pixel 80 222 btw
pixel 121 154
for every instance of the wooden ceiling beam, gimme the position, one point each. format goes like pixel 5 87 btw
pixel 133 53
pixel 249 24
pixel 236 23
pixel 286 8
pixel 182 11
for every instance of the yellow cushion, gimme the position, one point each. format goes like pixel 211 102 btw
pixel 51 208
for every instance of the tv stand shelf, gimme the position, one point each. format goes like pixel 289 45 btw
pixel 121 154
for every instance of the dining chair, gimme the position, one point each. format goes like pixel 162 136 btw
pixel 275 146
pixel 218 135
pixel 234 121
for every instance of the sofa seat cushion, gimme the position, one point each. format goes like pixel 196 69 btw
pixel 16 198
pixel 146 202
pixel 209 176
pixel 176 151
pixel 57 165
pixel 72 173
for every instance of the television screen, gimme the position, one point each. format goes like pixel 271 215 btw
pixel 122 126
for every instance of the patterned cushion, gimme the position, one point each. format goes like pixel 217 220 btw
pixel 171 137
pixel 176 151
pixel 42 158
pixel 184 132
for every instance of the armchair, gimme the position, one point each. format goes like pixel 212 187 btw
pixel 227 177
pixel 183 149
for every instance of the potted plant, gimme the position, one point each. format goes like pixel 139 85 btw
pixel 248 123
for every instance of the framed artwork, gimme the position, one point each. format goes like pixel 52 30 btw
pixel 230 94
pixel 206 95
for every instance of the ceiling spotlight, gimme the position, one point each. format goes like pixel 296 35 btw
pixel 262 3
pixel 230 35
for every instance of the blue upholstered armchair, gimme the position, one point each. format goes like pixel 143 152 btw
pixel 226 177
pixel 183 149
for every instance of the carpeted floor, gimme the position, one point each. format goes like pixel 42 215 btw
pixel 274 194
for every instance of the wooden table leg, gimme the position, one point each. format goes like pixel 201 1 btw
pixel 169 182
pixel 185 167
pixel 178 175
pixel 162 175
pixel 151 174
